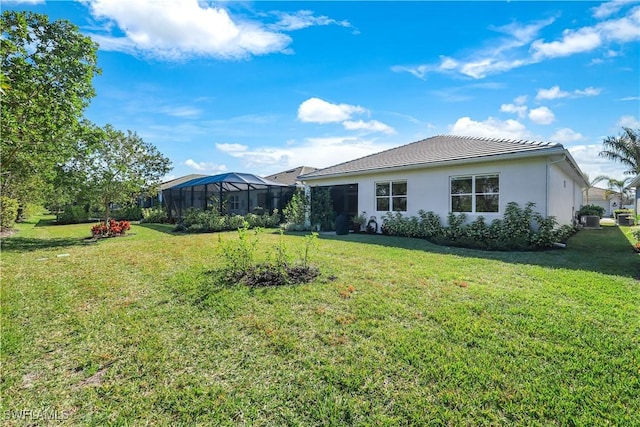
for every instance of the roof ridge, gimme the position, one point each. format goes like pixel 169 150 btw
pixel 497 139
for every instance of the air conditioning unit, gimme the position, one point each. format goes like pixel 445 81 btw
pixel 592 221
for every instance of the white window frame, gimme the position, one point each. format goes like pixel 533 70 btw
pixel 473 193
pixel 391 196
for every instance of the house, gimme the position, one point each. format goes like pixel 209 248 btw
pixel 290 177
pixel 603 198
pixel 447 173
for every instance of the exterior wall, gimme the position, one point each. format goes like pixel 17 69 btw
pixel 565 196
pixel 521 181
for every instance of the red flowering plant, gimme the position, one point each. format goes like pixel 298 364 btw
pixel 111 229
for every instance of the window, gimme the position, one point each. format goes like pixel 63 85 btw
pixel 234 201
pixel 391 196
pixel 475 193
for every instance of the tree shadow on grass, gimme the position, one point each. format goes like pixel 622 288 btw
pixel 25 244
pixel 604 250
pixel 163 228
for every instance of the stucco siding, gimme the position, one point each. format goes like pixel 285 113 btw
pixel 521 181
pixel 565 195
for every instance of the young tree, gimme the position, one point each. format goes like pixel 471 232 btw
pixel 624 148
pixel 46 83
pixel 116 167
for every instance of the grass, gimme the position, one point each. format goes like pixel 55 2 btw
pixel 131 331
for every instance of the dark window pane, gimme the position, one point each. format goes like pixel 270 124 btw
pixel 487 184
pixel 382 189
pixel 399 189
pixel 487 203
pixel 461 203
pixel 461 185
pixel 400 204
pixel 382 204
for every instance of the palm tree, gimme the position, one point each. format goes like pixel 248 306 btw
pixel 619 187
pixel 592 183
pixel 624 148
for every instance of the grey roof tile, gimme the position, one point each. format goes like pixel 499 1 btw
pixel 437 149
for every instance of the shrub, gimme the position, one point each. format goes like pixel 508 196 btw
pixel 73 215
pixel 622 211
pixel 322 213
pixel 296 210
pixel 8 212
pixel 155 215
pixel 519 229
pixel 112 228
pixel 201 221
pixel 591 210
pixel 240 266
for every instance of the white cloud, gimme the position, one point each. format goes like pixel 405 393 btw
pixel 316 110
pixel 628 122
pixel 552 93
pixel 520 47
pixel 181 111
pixel 589 91
pixel 499 57
pixel 303 19
pixel 318 152
pixel 490 128
pixel 232 148
pixel 630 98
pixel 175 30
pixel 520 110
pixel 586 39
pixel 609 8
pixel 370 126
pixel 206 167
pixel 541 115
pixel 572 42
pixel 566 135
pixel 588 159
pixel 520 100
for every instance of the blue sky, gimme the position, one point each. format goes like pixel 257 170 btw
pixel 265 86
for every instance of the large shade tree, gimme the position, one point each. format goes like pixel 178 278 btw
pixel 624 148
pixel 46 82
pixel 114 167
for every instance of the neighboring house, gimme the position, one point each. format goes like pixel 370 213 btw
pixel 290 177
pixel 446 173
pixel 600 197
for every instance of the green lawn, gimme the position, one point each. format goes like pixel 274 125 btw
pixel 132 331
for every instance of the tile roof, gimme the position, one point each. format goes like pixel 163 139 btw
pixel 290 177
pixel 437 149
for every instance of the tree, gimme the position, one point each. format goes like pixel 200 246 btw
pixel 624 148
pixel 46 83
pixel 592 183
pixel 115 167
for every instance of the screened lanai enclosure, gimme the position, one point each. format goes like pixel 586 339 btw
pixel 230 193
